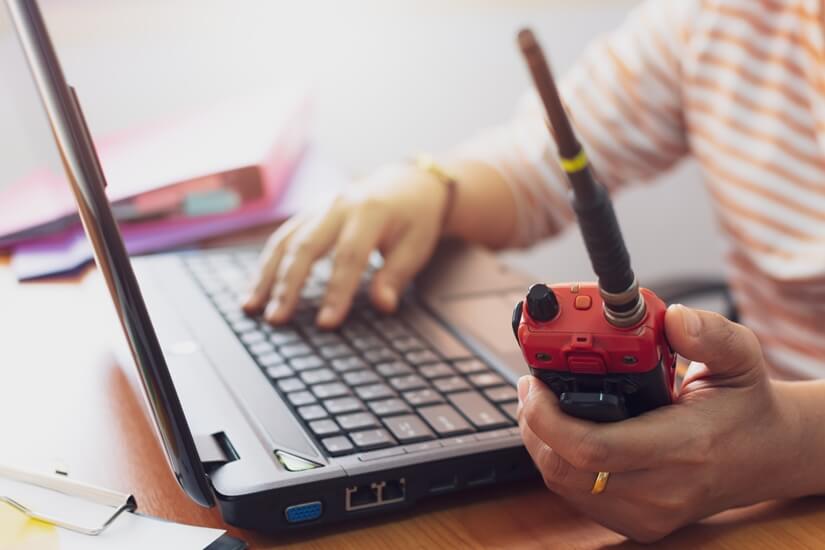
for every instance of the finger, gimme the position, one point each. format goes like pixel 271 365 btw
pixel 634 444
pixel 310 242
pixel 357 240
pixel 726 348
pixel 268 262
pixel 563 478
pixel 401 264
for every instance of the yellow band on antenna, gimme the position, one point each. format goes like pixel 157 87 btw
pixel 579 162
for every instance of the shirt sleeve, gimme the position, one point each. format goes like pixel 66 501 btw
pixel 624 99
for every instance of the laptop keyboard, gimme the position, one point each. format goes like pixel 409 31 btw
pixel 374 383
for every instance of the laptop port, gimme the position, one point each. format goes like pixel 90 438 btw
pixel 483 477
pixel 395 490
pixel 378 493
pixel 443 485
pixel 362 496
pixel 306 511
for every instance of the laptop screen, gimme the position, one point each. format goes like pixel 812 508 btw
pixel 63 122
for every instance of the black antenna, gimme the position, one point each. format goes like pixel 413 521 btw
pixel 623 304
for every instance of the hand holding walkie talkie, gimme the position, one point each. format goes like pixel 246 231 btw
pixel 600 347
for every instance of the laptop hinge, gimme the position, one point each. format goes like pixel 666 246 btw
pixel 215 449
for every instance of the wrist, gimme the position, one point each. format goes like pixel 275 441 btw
pixel 802 408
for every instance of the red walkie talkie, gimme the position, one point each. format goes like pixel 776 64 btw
pixel 601 348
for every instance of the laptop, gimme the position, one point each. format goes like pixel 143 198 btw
pixel 291 427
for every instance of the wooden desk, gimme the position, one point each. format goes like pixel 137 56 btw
pixel 64 400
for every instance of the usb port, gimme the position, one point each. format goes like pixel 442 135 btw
pixel 443 485
pixel 306 511
pixel 483 477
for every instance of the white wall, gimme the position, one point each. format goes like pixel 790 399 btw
pixel 391 78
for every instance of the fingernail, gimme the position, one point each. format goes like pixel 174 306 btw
pixel 326 316
pixel 389 296
pixel 693 324
pixel 523 389
pixel 271 312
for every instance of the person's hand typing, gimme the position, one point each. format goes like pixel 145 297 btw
pixel 398 211
pixel 730 439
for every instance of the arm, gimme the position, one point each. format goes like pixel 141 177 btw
pixel 625 103
pixel 624 98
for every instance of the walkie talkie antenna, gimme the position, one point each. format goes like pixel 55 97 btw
pixel 623 304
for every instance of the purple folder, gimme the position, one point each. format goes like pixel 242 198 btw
pixel 315 180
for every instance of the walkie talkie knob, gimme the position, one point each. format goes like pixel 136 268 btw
pixel 542 304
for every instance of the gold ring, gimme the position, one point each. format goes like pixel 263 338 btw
pixel 600 484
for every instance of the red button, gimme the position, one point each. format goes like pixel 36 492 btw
pixel 581 363
pixel 583 302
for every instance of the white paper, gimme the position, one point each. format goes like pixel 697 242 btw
pixel 129 531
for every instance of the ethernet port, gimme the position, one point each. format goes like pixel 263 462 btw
pixel 362 496
pixel 395 490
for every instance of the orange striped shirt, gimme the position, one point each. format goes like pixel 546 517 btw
pixel 739 85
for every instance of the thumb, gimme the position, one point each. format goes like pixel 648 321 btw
pixel 727 349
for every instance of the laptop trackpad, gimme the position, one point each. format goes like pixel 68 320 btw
pixel 487 319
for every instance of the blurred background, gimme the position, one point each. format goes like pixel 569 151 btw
pixel 388 79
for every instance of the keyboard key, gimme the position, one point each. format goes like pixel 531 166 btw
pixel 324 427
pixel 470 366
pixel 486 380
pixel 334 351
pixel 306 362
pixel 391 328
pixel 253 337
pixel 409 382
pixel 333 389
pixel 343 405
pixel 294 350
pixel 407 343
pixel 372 439
pixel 317 376
pixel 312 412
pixel 364 343
pixel 423 397
pixel 388 407
pixel 279 371
pixel 501 394
pixel 445 420
pixel 408 428
pixel 353 329
pixel 357 421
pixel 444 343
pixel 374 391
pixel 244 325
pixel 345 364
pixel 361 377
pixel 510 409
pixel 325 339
pixel 380 355
pixel 269 359
pixel 290 384
pixel 481 413
pixel 300 398
pixel 394 368
pixel 338 445
pixel 436 370
pixel 451 384
pixel 281 336
pixel 422 357
pixel 261 348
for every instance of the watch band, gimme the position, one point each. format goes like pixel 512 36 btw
pixel 428 164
